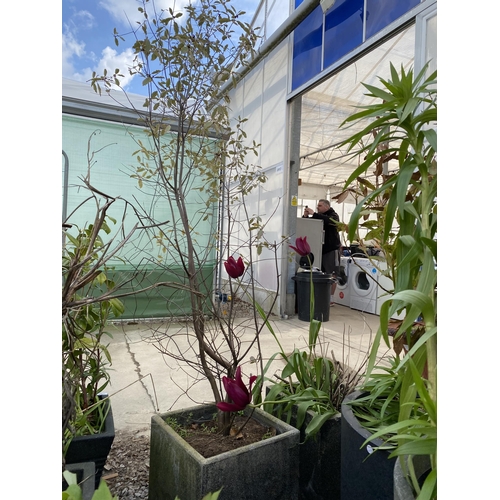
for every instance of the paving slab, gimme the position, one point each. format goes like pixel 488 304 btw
pixel 145 381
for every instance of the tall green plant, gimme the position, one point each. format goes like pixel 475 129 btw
pixel 401 124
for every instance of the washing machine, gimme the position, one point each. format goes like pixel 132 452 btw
pixel 342 295
pixel 363 285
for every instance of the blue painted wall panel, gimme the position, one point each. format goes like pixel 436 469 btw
pixel 307 48
pixel 343 32
pixel 381 13
pixel 343 29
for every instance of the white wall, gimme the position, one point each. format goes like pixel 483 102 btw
pixel 261 98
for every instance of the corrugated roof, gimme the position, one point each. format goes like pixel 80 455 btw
pixel 78 98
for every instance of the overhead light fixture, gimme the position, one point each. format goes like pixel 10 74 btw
pixel 327 4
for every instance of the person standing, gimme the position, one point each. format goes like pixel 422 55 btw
pixel 330 260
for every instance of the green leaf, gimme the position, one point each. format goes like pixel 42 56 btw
pixel 100 278
pixel 431 136
pixel 428 491
pixel 263 315
pixel 70 477
pixel 72 239
pixel 212 496
pixel 421 301
pixel 420 446
pixel 103 493
pixel 73 492
pixel 314 328
pixel 273 395
pixel 317 422
pixel 398 426
pixel 117 307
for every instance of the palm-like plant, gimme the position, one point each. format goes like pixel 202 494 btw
pixel 401 124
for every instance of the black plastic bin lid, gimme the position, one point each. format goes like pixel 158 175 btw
pixel 317 277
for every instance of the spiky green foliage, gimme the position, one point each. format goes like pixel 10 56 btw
pixel 402 123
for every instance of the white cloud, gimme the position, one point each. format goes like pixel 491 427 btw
pixel 83 19
pixel 125 11
pixel 78 63
pixel 83 31
pixel 111 60
pixel 70 48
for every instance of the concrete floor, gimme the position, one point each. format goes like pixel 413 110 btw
pixel 143 380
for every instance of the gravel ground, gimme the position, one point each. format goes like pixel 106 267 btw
pixel 127 468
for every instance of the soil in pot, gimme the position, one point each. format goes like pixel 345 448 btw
pixel 204 437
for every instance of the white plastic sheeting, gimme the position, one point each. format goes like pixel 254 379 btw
pixel 326 106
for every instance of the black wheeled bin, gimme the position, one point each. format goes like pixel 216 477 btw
pixel 322 284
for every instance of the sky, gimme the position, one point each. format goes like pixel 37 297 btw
pixel 87 35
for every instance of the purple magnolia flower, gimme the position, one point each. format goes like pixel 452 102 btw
pixel 237 391
pixel 302 247
pixel 234 268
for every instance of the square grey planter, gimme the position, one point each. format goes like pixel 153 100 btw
pixel 267 470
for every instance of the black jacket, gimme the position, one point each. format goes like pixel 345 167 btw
pixel 332 238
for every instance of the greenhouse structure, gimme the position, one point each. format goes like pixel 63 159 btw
pixel 306 78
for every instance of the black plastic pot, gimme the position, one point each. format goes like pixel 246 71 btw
pixel 319 462
pixel 365 473
pixel 319 458
pixel 322 284
pixel 93 448
pixel 85 473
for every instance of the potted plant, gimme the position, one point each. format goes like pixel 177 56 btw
pixel 269 462
pixel 400 406
pixel 88 429
pixel 308 393
pixel 90 298
pixel 195 165
pixel 266 468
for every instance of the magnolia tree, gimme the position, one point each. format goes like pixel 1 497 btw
pixel 197 163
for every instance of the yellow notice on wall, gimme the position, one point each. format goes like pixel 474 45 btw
pixel 294 201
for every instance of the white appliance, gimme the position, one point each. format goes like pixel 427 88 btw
pixel 313 229
pixel 342 293
pixel 363 285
